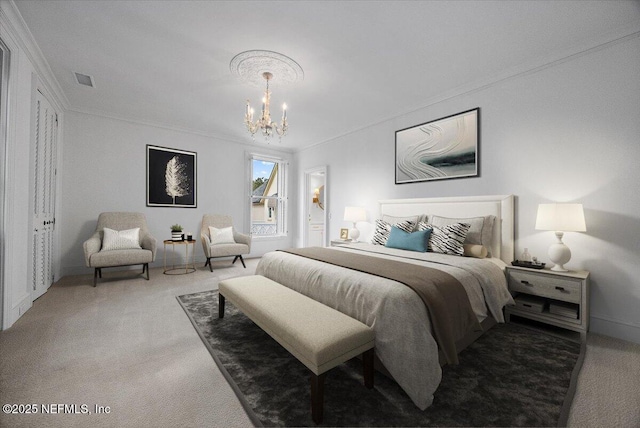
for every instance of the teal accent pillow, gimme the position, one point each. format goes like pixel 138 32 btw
pixel 416 241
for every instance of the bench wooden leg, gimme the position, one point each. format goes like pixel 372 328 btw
pixel 317 397
pixel 367 365
pixel 221 301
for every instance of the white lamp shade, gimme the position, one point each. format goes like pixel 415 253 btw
pixel 355 214
pixel 561 217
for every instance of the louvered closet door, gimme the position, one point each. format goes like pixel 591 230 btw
pixel 44 202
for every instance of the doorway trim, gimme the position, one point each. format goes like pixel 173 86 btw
pixel 307 201
pixel 4 133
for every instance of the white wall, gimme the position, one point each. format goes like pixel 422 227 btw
pixel 569 132
pixel 104 170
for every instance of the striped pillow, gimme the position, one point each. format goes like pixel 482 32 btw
pixel 447 239
pixel 383 229
pixel 480 232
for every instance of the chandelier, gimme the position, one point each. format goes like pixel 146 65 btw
pixel 264 123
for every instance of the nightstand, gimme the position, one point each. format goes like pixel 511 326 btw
pixel 335 242
pixel 557 298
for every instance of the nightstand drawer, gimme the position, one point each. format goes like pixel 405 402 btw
pixel 545 285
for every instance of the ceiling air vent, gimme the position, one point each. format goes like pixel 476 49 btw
pixel 85 80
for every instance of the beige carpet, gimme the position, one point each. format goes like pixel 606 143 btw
pixel 127 344
pixel 608 393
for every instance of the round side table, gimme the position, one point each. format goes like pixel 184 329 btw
pixel 190 256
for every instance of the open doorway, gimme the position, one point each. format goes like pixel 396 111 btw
pixel 315 212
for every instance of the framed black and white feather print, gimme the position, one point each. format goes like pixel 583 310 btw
pixel 171 177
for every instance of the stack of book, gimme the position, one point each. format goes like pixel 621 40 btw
pixel 564 309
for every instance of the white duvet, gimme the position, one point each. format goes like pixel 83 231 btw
pixel 398 316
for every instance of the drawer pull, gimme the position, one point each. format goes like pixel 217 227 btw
pixel 527 283
pixel 561 289
pixel 526 305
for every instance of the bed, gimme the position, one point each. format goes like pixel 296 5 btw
pixel 405 343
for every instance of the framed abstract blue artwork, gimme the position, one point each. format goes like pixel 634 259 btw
pixel 437 150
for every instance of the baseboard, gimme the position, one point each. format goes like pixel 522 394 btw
pixel 75 270
pixel 83 270
pixel 18 310
pixel 615 329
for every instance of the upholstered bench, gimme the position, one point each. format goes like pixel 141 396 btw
pixel 318 336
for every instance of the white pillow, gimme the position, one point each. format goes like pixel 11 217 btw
pixel 221 236
pixel 121 240
pixel 393 220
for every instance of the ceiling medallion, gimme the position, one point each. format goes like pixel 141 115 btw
pixel 254 67
pixel 250 67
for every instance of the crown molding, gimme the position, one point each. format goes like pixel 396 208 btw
pixel 137 121
pixel 11 17
pixel 587 47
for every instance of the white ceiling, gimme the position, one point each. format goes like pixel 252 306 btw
pixel 167 62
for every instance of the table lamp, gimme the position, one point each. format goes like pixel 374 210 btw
pixel 560 218
pixel 354 214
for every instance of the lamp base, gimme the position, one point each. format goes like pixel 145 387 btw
pixel 354 234
pixel 559 254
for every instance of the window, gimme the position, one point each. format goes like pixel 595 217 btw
pixel 267 198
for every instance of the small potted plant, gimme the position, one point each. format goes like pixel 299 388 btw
pixel 176 232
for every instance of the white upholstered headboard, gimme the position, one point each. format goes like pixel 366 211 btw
pixel 500 206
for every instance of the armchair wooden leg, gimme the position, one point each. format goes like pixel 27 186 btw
pixel 95 277
pixel 241 260
pixel 145 267
pixel 210 264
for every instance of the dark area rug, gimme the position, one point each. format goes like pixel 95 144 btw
pixel 511 376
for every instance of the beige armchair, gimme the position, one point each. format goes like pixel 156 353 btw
pixel 97 258
pixel 237 249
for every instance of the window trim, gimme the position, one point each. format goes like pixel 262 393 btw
pixel 282 229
